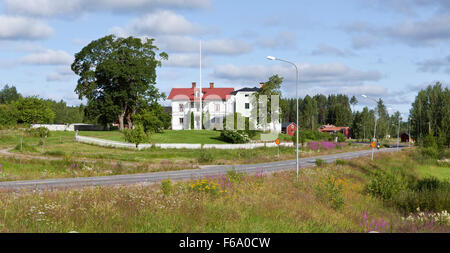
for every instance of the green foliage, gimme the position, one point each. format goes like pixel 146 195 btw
pixel 154 121
pixel 385 184
pixel 320 162
pixel 167 186
pixel 117 76
pixel 341 137
pixel 24 147
pixel 340 162
pixel 9 115
pixel 41 132
pixel 205 157
pixel 331 192
pixel 234 136
pixel 136 135
pixel 429 194
pixel 33 110
pixel 431 112
pixel 192 121
pixel 66 114
pixel 301 138
pixel 9 94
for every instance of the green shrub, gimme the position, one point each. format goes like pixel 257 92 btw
pixel 204 186
pixel 234 136
pixel 429 152
pixel 320 162
pixel 385 184
pixel 166 186
pixel 330 192
pixel 24 148
pixel 340 162
pixel 55 153
pixel 427 200
pixel 340 136
pixel 428 183
pixel 205 157
pixel 136 135
pixel 38 132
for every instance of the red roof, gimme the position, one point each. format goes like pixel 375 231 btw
pixel 208 93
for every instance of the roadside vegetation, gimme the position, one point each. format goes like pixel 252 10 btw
pixel 336 197
pixel 58 155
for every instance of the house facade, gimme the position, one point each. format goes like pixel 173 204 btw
pixel 214 104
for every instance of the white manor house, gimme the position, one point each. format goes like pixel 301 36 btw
pixel 216 104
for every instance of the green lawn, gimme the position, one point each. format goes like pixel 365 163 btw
pixel 440 172
pixel 168 136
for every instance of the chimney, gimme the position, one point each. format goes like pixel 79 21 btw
pixel 211 85
pixel 261 85
pixel 193 84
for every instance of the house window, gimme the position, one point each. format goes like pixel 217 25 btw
pixel 213 120
pixel 181 121
pixel 217 107
pixel 247 105
pixel 181 108
pixel 192 104
pixel 246 95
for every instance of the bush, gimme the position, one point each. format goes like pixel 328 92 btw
pixel 320 162
pixel 55 153
pixel 24 148
pixel 166 186
pixel 38 132
pixel 429 152
pixel 205 157
pixel 340 137
pixel 136 135
pixel 428 200
pixel 234 136
pixel 340 162
pixel 330 192
pixel 385 184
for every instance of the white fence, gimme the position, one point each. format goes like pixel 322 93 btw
pixel 117 144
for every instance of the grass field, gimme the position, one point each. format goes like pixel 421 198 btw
pixel 168 136
pixel 330 198
pixel 60 156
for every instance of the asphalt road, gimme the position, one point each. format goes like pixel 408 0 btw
pixel 204 171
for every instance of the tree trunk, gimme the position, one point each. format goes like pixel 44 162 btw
pixel 120 121
pixel 130 123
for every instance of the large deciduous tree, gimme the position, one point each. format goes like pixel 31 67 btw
pixel 117 76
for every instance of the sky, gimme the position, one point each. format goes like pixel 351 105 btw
pixel 387 49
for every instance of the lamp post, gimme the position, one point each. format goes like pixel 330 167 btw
pixel 375 127
pixel 272 58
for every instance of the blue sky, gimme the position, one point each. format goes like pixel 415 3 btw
pixel 382 48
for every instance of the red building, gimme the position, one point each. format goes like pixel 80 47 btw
pixel 289 129
pixel 334 129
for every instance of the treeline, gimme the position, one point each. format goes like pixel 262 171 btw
pixel 430 115
pixel 337 110
pixel 17 109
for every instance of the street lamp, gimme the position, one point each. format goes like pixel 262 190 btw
pixel 272 58
pixel 375 127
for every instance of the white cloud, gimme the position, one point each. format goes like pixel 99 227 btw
pixel 283 40
pixel 186 60
pixel 163 22
pixel 48 8
pixel 48 57
pixel 331 74
pixel 435 65
pixel 62 73
pixel 22 28
pixel 324 49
